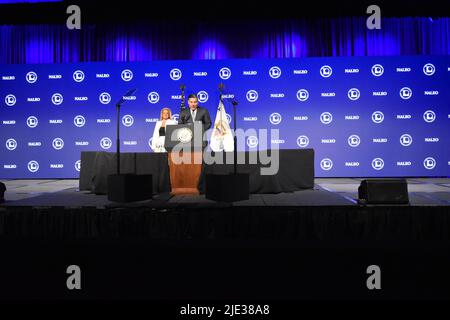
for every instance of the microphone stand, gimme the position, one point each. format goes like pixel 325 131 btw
pixel 183 99
pixel 117 137
pixel 118 104
pixel 127 187
pixel 234 102
pixel 221 86
pixel 233 186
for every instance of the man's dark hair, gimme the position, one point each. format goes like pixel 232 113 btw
pixel 193 95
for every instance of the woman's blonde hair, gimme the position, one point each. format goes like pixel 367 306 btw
pixel 162 110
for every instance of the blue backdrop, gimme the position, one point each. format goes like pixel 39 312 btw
pixel 364 116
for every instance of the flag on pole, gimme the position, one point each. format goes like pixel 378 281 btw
pixel 221 137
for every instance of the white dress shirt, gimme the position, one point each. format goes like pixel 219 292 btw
pixel 157 140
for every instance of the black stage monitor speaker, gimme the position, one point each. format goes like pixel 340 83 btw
pixel 129 187
pixel 383 191
pixel 2 192
pixel 227 187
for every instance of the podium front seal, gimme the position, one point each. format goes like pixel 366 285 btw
pixel 184 135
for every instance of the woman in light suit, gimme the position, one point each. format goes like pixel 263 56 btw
pixel 159 133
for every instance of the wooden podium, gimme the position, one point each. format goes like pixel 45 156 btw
pixel 184 177
pixel 185 165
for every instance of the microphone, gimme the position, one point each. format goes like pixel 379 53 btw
pixel 222 91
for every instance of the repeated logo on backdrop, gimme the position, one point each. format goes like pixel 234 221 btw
pixel 363 116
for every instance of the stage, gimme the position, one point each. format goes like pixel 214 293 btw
pixel 327 211
pixel 310 244
pixel 326 192
pixel 316 101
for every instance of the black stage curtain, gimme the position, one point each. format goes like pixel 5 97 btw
pixel 267 38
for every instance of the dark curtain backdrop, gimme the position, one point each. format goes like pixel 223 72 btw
pixel 256 39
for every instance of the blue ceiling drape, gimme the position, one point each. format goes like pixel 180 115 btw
pixel 344 36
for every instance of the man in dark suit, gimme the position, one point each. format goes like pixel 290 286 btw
pixel 195 113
